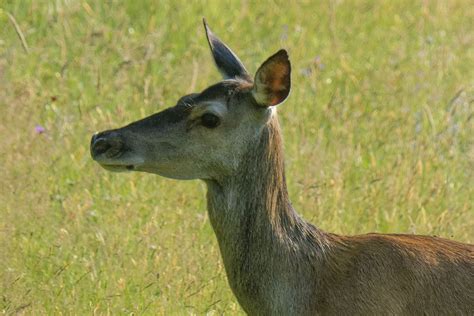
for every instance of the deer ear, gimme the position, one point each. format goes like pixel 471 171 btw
pixel 273 80
pixel 228 64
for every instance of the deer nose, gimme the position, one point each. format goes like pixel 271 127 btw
pixel 107 144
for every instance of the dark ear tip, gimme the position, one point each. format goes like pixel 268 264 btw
pixel 209 35
pixel 282 55
pixel 207 29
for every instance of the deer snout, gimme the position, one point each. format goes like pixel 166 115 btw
pixel 107 145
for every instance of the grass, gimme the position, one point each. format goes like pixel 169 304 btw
pixel 378 136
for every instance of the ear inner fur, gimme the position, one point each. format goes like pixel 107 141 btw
pixel 273 80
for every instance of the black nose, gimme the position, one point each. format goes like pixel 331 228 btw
pixel 107 144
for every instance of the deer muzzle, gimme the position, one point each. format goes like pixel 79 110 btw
pixel 107 144
pixel 107 148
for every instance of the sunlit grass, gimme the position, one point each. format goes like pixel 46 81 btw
pixel 379 136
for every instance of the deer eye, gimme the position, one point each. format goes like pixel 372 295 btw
pixel 210 120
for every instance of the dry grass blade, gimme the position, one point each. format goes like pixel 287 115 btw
pixel 19 32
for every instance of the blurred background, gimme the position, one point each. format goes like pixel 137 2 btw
pixel 378 130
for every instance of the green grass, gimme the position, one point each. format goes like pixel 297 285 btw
pixel 379 136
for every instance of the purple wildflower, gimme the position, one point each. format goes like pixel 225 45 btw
pixel 39 129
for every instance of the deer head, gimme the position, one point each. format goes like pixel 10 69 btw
pixel 205 135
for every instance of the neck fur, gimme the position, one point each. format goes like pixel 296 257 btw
pixel 257 195
pixel 256 227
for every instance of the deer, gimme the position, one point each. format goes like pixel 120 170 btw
pixel 276 263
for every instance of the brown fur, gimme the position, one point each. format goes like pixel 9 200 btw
pixel 280 265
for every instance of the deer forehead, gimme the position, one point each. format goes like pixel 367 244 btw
pixel 216 107
pixel 216 98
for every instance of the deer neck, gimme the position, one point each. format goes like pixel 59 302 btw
pixel 256 197
pixel 256 226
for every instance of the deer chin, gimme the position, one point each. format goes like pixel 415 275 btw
pixel 166 171
pixel 120 165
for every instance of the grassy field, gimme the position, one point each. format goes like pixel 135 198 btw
pixel 379 136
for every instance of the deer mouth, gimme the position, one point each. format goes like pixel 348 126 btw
pixel 118 168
